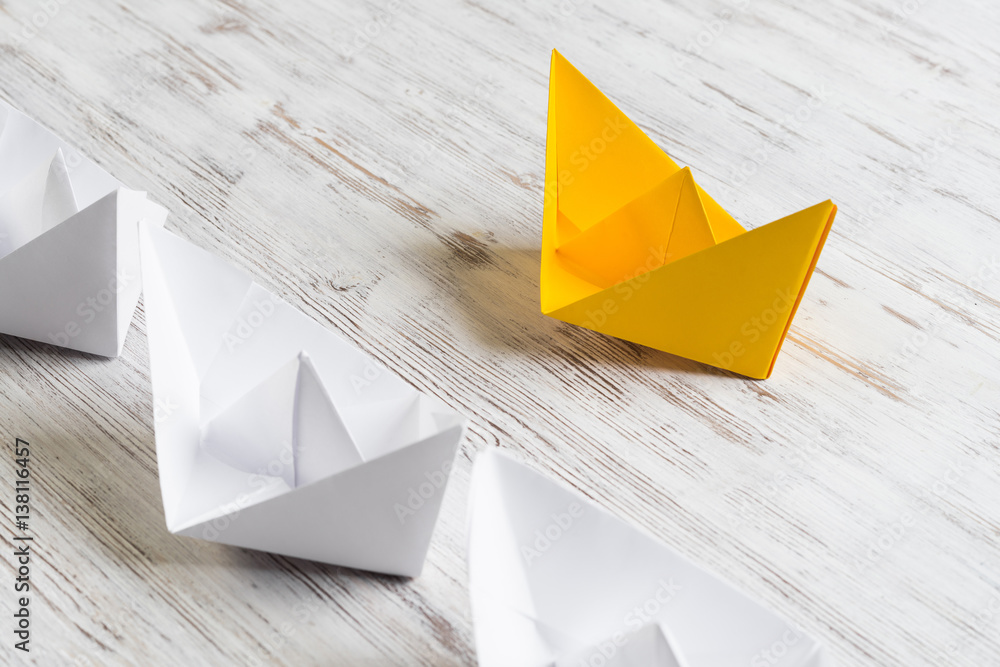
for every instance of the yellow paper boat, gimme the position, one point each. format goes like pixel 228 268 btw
pixel 632 247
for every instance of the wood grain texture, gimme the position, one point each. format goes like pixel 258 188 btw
pixel 391 188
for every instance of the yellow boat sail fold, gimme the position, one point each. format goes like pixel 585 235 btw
pixel 634 248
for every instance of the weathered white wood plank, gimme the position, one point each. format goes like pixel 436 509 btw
pixel 393 192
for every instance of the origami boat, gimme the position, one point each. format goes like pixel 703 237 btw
pixel 273 433
pixel 69 260
pixel 556 580
pixel 633 247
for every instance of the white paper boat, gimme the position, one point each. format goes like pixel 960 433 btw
pixel 69 264
pixel 557 580
pixel 273 433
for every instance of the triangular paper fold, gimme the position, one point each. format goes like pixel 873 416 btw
pixel 646 647
pixel 259 427
pixel 322 445
pixel 555 579
pixel 69 265
pixel 272 433
pixel 43 199
pixel 620 215
pixel 288 418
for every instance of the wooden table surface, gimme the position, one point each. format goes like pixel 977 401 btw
pixel 380 166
